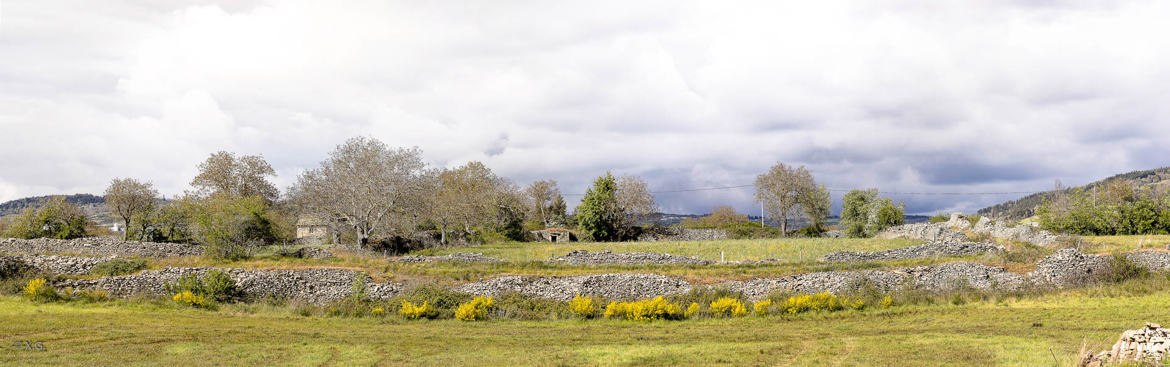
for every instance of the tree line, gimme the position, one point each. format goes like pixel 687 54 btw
pixel 1115 208
pixel 367 192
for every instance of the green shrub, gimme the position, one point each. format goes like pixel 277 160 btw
pixel 819 302
pixel 645 310
pixel 516 306
pixel 442 299
pixel 1121 268
pixel 728 307
pixel 54 219
pixel 940 218
pixel 118 267
pixel 476 310
pixel 215 286
pixel 582 306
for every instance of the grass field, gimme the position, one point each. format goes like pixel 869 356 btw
pixel 792 249
pixel 1128 243
pixel 1037 331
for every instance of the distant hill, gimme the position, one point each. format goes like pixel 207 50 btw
pixel 18 205
pixel 1025 207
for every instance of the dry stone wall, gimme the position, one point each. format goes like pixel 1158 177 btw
pixel 625 258
pixel 612 286
pixel 933 249
pixel 97 246
pixel 1148 346
pixel 65 265
pixel 320 285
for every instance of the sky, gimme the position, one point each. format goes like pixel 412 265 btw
pixel 990 96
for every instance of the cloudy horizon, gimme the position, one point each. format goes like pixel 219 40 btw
pixel 904 96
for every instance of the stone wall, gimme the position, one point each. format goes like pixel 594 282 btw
pixel 612 286
pixel 929 250
pixel 319 285
pixel 684 234
pixel 97 246
pixel 625 258
pixel 64 265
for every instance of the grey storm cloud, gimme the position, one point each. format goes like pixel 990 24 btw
pixel 904 96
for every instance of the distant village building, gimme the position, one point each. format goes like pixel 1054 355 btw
pixel 117 228
pixel 313 230
pixel 554 235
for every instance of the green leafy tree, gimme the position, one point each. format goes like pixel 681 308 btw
pixel 599 216
pixel 56 218
pixel 864 214
pixel 231 227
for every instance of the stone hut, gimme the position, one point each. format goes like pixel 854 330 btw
pixel 554 235
pixel 313 230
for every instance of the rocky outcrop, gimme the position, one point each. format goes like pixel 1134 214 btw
pixel 64 265
pixel 319 285
pixel 933 249
pixel 1149 346
pixel 463 257
pixel 1022 233
pixel 97 246
pixel 625 258
pixel 610 286
pixel 933 232
pixel 953 231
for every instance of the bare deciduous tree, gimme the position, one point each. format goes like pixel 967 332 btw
pixel 634 198
pixel 783 190
pixel 129 198
pixel 466 196
pixel 246 175
pixel 368 186
pixel 542 195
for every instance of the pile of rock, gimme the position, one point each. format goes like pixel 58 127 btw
pixel 611 286
pixel 1148 345
pixel 580 257
pixel 318 285
pixel 462 257
pixel 98 246
pixel 933 249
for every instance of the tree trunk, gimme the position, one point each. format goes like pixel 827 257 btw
pixel 443 234
pixel 784 226
pixel 126 229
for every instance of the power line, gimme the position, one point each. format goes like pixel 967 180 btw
pixel 843 190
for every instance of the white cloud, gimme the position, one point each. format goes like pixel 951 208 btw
pixel 907 96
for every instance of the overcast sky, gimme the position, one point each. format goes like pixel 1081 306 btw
pixel 905 96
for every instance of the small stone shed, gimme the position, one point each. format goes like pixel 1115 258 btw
pixel 554 235
pixel 313 230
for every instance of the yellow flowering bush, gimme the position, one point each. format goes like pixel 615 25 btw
pixel 412 312
pixel 37 290
pixel 475 310
pixel 187 298
pixel 582 306
pixel 378 311
pixel 763 308
pixel 692 310
pixel 819 302
pixel 645 310
pixel 887 302
pixel 728 306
